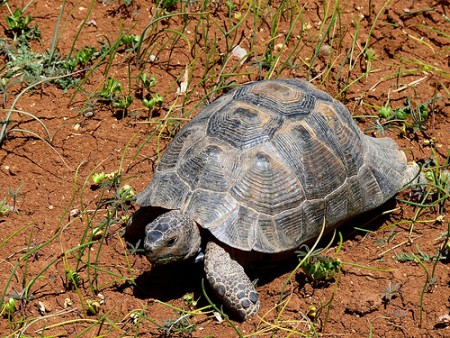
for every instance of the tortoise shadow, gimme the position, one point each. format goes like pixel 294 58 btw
pixel 169 282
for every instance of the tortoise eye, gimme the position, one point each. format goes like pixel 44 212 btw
pixel 171 241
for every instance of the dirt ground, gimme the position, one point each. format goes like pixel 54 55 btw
pixel 411 41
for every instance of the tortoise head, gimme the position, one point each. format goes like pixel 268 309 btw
pixel 171 237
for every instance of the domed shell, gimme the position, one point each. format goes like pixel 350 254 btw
pixel 263 166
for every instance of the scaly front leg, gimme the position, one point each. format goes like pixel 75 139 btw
pixel 230 282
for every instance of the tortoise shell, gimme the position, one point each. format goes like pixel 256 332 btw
pixel 264 165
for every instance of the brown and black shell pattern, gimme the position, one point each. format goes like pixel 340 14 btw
pixel 265 164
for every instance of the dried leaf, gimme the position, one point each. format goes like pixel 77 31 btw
pixel 218 316
pixel 67 303
pixel 184 82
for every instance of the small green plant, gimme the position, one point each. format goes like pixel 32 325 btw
pixel 405 257
pixel 93 307
pixel 391 292
pixel 18 26
pixel 9 308
pixel 82 58
pixel 126 193
pixel 231 7
pixel 98 178
pixel 122 103
pixel 73 279
pixel 107 180
pixel 131 42
pixel 111 93
pixel 135 248
pixel 178 325
pixel 147 81
pixel 419 114
pixel 155 101
pixel 190 302
pixel 150 100
pixel 370 56
pixel 385 111
pixel 407 118
pixel 434 190
pixel 320 268
pixel 14 194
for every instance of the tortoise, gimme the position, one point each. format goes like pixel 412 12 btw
pixel 258 171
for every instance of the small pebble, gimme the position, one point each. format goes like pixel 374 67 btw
pixel 325 50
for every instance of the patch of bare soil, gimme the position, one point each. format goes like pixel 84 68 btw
pixel 398 300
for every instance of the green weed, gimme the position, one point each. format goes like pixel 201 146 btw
pixel 112 94
pixel 405 257
pixel 181 324
pixel 9 308
pixel 15 195
pixel 320 268
pixel 18 26
pixel 409 119
pixel 391 292
pixel 151 100
pixel 315 265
